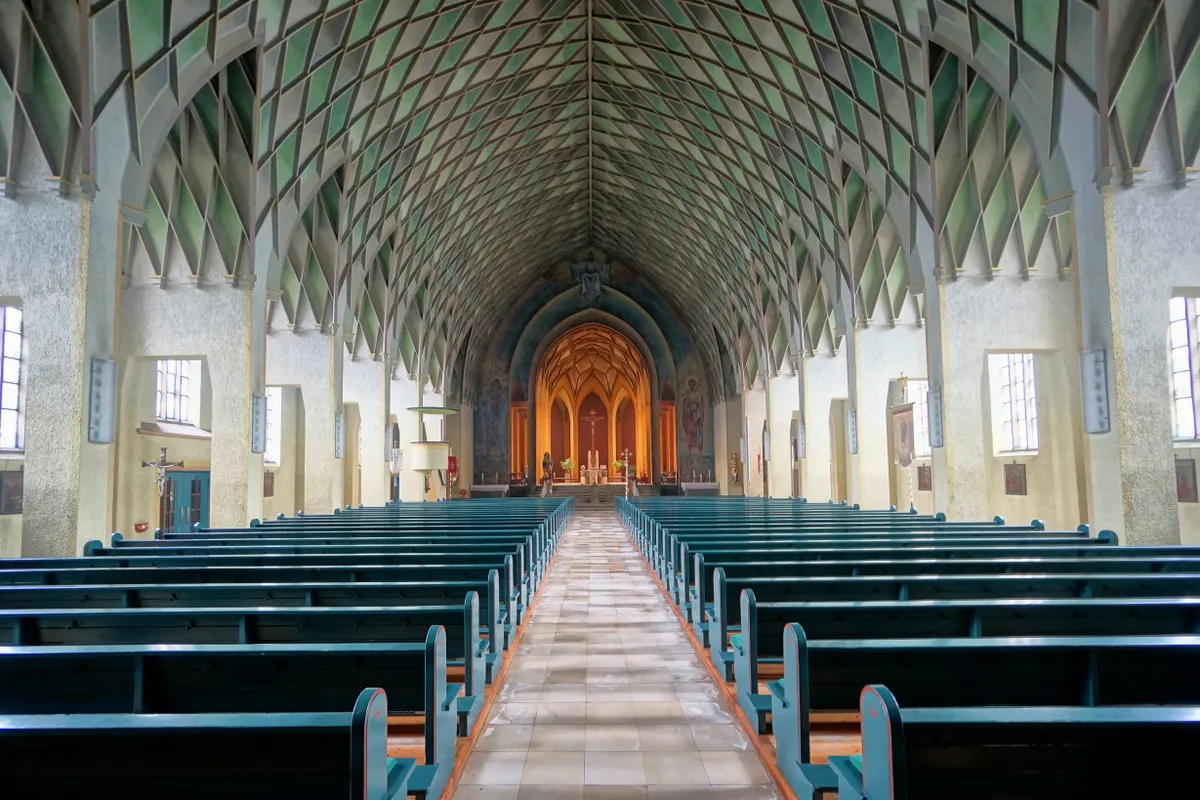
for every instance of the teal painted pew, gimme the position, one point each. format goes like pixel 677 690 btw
pixel 865 588
pixel 329 625
pixel 1031 753
pixel 1087 671
pixel 194 679
pixel 307 756
pixel 472 564
pixel 760 639
pixel 534 564
pixel 711 620
pixel 150 577
pixel 679 578
pixel 275 595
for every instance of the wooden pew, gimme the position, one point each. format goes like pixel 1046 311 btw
pixel 1034 753
pixel 679 578
pixel 92 575
pixel 711 620
pixel 827 675
pixel 329 625
pixel 533 565
pixel 275 595
pixel 201 756
pixel 261 678
pixel 761 637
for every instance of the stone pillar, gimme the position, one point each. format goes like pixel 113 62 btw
pixel 721 451
pixel 366 383
pixel 784 393
pixel 312 360
pixel 460 432
pixel 824 380
pixel 234 467
pixel 1136 246
pixel 58 260
pixel 754 404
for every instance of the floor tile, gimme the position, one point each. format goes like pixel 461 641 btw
pixel 615 769
pixel 505 737
pixel 553 769
pixel 673 768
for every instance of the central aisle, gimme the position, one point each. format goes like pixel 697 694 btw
pixel 605 697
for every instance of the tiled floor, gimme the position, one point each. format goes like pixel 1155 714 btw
pixel 605 697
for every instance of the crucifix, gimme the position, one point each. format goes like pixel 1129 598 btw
pixel 625 455
pixel 161 466
pixel 593 418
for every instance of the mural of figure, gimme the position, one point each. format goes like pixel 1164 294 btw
pixel 494 405
pixel 693 416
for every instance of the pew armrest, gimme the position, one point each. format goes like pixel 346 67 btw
pixel 400 773
pixel 452 692
pixel 848 770
pixel 776 689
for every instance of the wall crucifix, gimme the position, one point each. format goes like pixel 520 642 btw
pixel 161 466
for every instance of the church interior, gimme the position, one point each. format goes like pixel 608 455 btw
pixel 589 376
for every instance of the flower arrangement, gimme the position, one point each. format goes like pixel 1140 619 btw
pixel 567 465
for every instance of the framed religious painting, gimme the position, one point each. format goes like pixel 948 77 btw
pixel 1014 479
pixel 1185 480
pixel 12 491
pixel 924 478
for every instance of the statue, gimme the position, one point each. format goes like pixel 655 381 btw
pixel 591 277
pixel 547 465
pixel 733 469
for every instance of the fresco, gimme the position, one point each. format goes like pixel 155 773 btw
pixel 491 425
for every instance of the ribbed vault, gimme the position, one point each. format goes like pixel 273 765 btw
pixel 475 144
pixel 587 352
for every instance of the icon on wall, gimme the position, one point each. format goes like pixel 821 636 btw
pixel 1014 479
pixel 1185 480
pixel 924 478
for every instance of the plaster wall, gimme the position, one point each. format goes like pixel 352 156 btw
pixel 1052 480
pixel 10 524
pixel 366 384
pixel 754 403
pixel 136 498
pixel 1008 314
pixel 824 381
pixel 406 393
pixel 904 483
pixel 310 361
pixel 785 404
pixel 212 323
pixel 291 459
pixel 351 471
pixel 884 355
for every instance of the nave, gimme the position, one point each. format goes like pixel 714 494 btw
pixel 530 648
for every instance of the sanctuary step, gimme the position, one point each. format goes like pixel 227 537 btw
pixel 602 494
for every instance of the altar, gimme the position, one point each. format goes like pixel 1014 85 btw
pixel 594 473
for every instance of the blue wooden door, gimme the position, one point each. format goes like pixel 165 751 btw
pixel 185 501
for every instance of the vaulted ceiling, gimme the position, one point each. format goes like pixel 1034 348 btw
pixel 592 351
pixel 468 146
